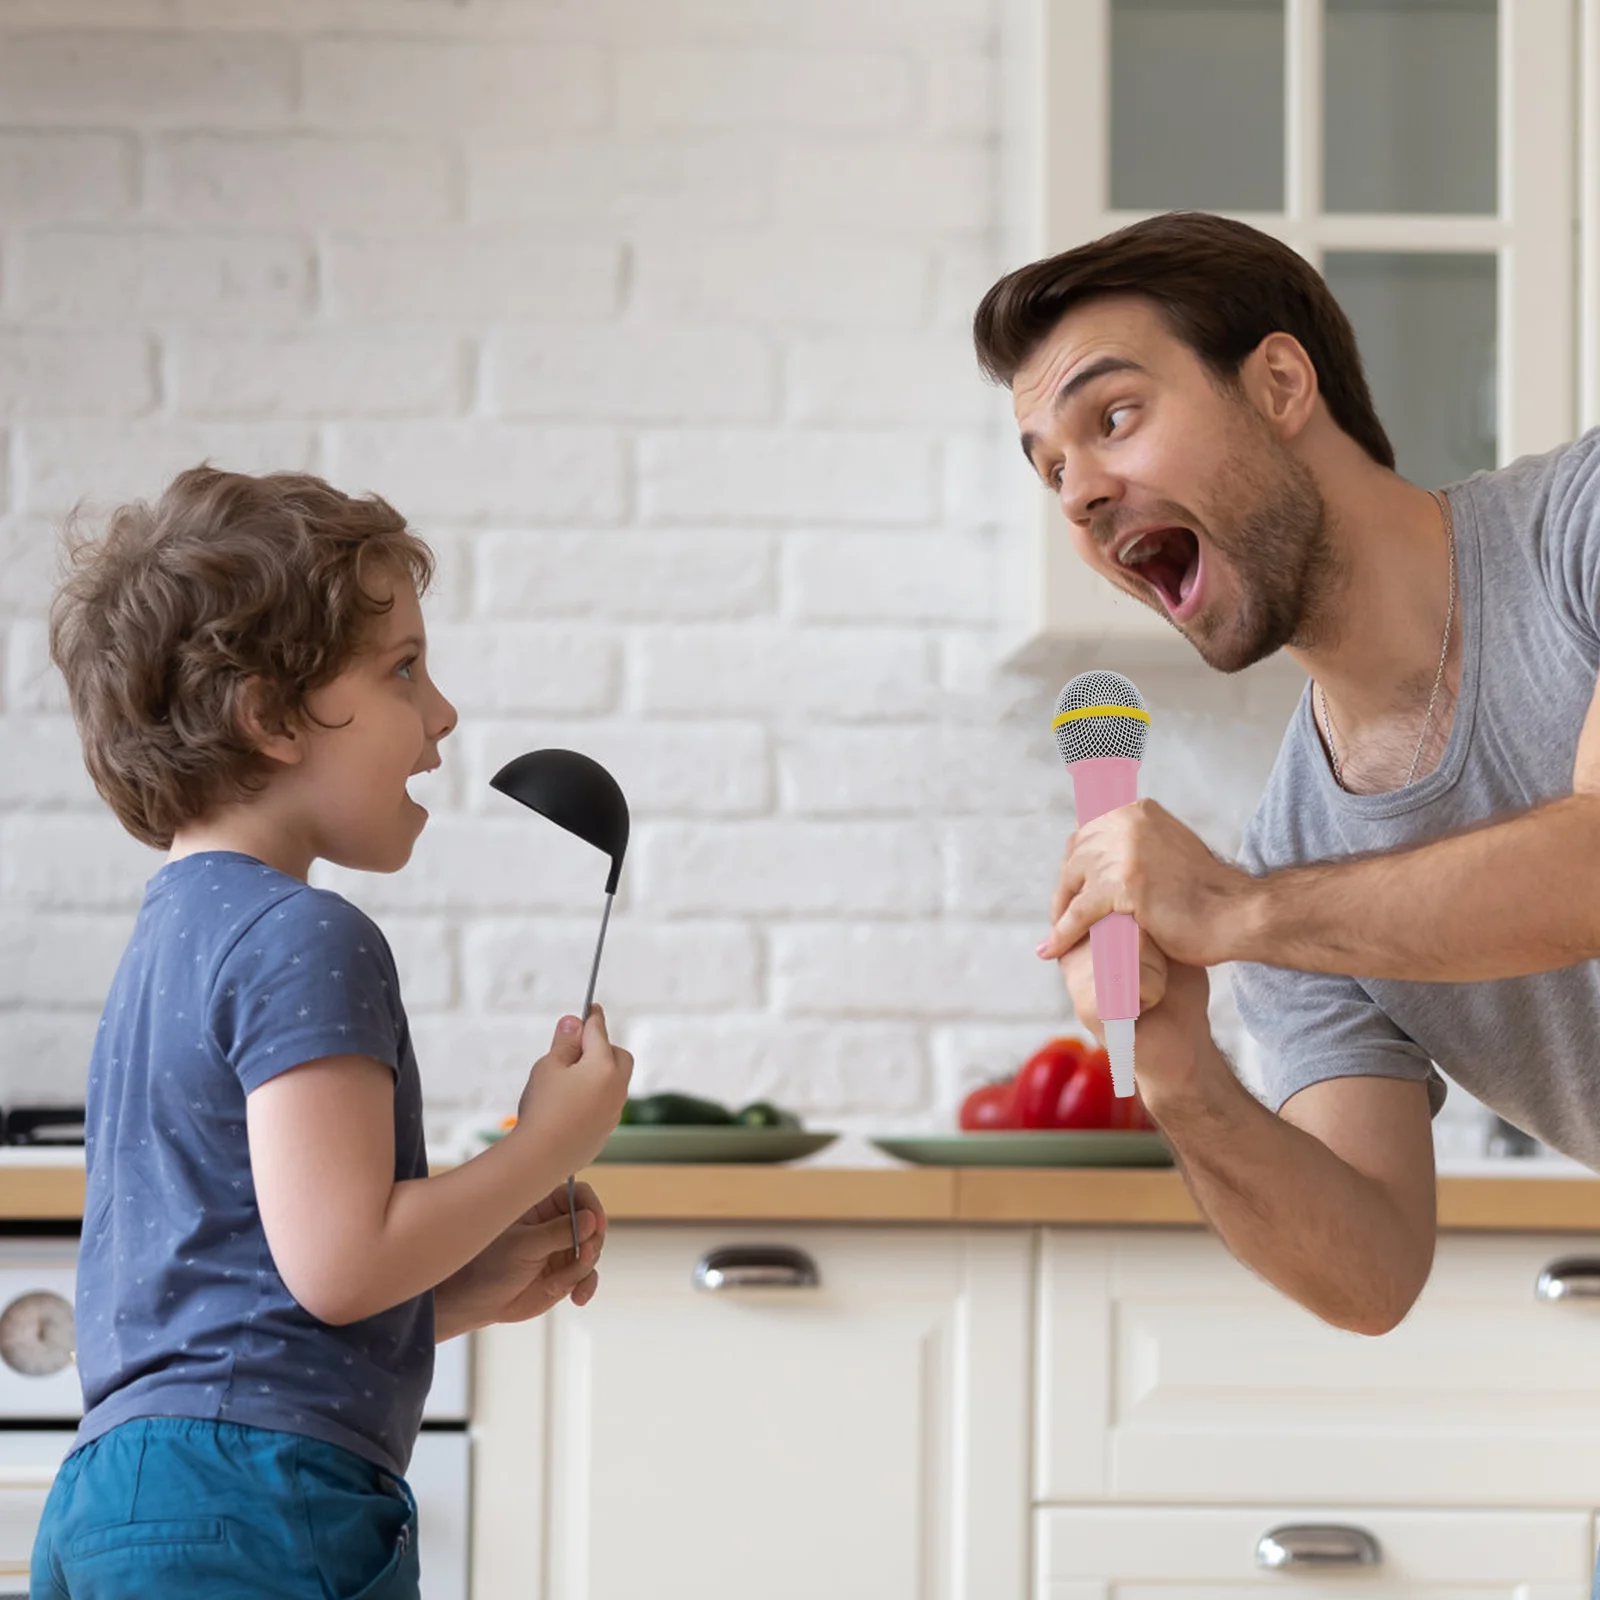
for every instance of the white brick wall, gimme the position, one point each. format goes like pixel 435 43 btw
pixel 653 316
pixel 379 372
pixel 93 276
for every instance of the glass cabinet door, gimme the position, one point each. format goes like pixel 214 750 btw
pixel 1197 96
pixel 1422 154
pixel 1425 322
pixel 1379 138
pixel 1411 106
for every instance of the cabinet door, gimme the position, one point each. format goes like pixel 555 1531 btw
pixel 865 1436
pixel 1589 214
pixel 1169 1372
pixel 28 1463
pixel 439 1474
pixel 1423 157
pixel 1228 1555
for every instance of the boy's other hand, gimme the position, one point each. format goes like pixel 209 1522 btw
pixel 575 1093
pixel 529 1268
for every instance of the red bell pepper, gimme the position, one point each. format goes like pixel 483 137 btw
pixel 1041 1080
pixel 989 1107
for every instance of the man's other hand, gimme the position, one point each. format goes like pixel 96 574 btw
pixel 1141 860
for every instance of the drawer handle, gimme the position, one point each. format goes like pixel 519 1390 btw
pixel 1570 1278
pixel 1317 1544
pixel 756 1266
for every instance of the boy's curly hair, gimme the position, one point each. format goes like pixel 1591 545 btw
pixel 228 591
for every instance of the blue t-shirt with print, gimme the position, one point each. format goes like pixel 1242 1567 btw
pixel 235 972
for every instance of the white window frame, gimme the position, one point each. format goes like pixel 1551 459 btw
pixel 1057 99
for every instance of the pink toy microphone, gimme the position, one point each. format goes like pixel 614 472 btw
pixel 1100 726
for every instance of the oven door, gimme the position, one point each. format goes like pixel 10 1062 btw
pixel 439 1475
pixel 30 1456
pixel 28 1462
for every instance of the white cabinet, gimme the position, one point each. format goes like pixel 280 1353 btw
pixel 1167 1372
pixel 862 1436
pixel 29 1459
pixel 439 1475
pixel 1033 1414
pixel 1438 163
pixel 1171 1554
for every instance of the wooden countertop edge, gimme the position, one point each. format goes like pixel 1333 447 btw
pixel 1067 1197
pixel 1085 1196
pixel 1557 1205
pixel 775 1193
pixel 1082 1197
pixel 41 1194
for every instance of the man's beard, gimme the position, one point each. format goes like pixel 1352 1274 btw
pixel 1279 551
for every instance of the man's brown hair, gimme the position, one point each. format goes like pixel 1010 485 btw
pixel 228 594
pixel 1221 286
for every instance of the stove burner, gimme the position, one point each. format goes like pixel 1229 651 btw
pixel 42 1125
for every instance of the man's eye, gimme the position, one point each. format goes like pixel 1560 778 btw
pixel 1055 479
pixel 1111 417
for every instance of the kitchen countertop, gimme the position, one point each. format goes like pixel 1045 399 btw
pixel 1084 1196
pixel 40 1185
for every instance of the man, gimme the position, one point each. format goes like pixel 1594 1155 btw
pixel 1192 394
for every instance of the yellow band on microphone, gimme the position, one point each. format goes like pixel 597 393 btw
pixel 1136 712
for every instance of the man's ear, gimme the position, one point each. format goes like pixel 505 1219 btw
pixel 1281 379
pixel 284 744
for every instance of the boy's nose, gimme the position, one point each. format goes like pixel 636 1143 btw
pixel 444 718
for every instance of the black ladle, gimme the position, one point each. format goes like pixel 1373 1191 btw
pixel 578 794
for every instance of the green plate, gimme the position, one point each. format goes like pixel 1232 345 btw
pixel 1111 1147
pixel 691 1145
pixel 711 1145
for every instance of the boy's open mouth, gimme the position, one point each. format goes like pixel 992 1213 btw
pixel 419 784
pixel 1168 559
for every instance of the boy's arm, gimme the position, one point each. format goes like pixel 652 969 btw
pixel 347 1239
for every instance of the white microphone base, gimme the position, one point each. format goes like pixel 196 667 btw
pixel 1119 1046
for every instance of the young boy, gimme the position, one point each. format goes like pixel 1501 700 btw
pixel 265 1264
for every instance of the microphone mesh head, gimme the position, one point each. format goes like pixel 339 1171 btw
pixel 1103 733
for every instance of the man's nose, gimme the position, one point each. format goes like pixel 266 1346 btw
pixel 1087 491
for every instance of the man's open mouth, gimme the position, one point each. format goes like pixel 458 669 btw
pixel 1168 559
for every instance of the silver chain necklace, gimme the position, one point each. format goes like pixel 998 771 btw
pixel 1438 677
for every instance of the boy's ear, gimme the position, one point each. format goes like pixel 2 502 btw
pixel 285 744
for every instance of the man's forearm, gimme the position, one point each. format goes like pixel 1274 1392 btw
pixel 1500 901
pixel 1326 1235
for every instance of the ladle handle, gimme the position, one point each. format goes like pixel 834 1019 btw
pixel 594 970
pixel 572 1209
pixel 588 1006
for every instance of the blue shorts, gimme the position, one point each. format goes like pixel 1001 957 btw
pixel 164 1508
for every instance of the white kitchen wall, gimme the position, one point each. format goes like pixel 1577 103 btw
pixel 653 316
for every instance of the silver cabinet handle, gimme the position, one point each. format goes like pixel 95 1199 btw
pixel 755 1266
pixel 1570 1278
pixel 1317 1544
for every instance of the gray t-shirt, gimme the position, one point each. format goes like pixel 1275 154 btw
pixel 235 973
pixel 1528 559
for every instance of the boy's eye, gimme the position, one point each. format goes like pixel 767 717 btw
pixel 404 669
pixel 1113 414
